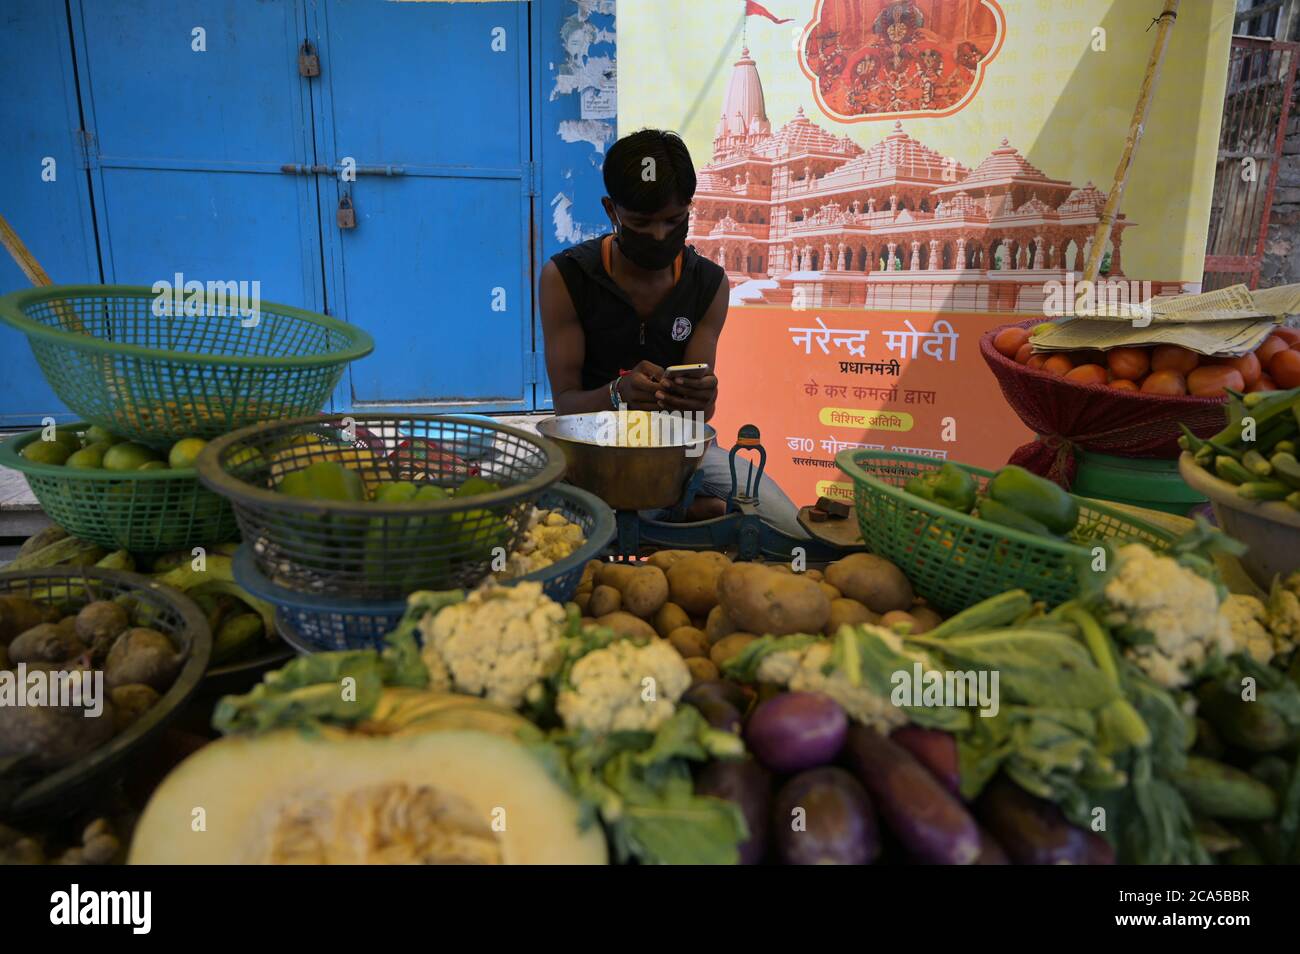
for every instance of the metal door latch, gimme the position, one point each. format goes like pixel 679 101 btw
pixel 308 61
pixel 346 215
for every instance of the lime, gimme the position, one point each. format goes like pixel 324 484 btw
pixel 153 465
pixel 127 456
pixel 101 435
pixel 47 452
pixel 184 452
pixel 90 457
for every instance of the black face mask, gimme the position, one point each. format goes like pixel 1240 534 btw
pixel 650 253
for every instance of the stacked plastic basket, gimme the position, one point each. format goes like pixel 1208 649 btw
pixel 339 571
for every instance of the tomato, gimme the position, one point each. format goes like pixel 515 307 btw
pixel 1212 379
pixel 1058 364
pixel 1264 383
pixel 1128 363
pixel 1168 383
pixel 1009 340
pixel 1174 358
pixel 1036 361
pixel 1124 384
pixel 1284 369
pixel 1290 335
pixel 1271 346
pixel 1247 365
pixel 1023 354
pixel 1087 374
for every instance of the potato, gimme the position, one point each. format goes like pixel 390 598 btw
pixel 627 625
pixel 664 559
pixel 19 614
pixel 831 592
pixel 583 601
pixel 781 567
pixel 144 656
pixel 871 580
pixel 613 574
pixel 130 702
pixel 587 621
pixel 49 737
pixel 729 646
pixel 689 642
pixel 645 590
pixel 670 617
pixel 101 620
pixel 926 618
pixel 815 575
pixel 702 669
pixel 904 620
pixel 693 581
pixel 848 613
pixel 604 600
pixel 719 624
pixel 589 573
pixel 45 643
pixel 761 600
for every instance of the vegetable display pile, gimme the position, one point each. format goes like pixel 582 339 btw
pixel 1257 449
pixel 1165 370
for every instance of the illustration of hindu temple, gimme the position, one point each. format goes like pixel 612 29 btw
pixel 802 214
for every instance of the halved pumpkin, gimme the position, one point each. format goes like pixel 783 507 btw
pixel 443 795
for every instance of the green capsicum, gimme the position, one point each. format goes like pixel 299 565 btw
pixel 1034 497
pixel 1006 516
pixel 949 486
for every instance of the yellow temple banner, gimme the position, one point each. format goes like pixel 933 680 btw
pixel 876 165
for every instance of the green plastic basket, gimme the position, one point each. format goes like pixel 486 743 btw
pixel 155 378
pixel 955 560
pixel 144 511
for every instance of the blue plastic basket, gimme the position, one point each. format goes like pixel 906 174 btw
pixel 311 623
pixel 319 623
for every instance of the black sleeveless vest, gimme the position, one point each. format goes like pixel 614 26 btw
pixel 616 336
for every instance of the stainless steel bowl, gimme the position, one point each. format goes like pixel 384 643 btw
pixel 632 460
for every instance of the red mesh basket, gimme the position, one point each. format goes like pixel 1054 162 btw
pixel 1092 417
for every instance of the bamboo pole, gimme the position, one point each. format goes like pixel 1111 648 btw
pixel 1164 23
pixel 26 261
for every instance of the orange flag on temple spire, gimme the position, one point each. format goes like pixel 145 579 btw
pixel 757 9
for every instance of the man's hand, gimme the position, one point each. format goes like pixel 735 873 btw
pixel 688 392
pixel 639 387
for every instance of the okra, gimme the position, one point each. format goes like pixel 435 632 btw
pixel 1286 468
pixel 1294 500
pixel 1231 470
pixel 1256 463
pixel 1204 455
pixel 1264 490
pixel 1284 447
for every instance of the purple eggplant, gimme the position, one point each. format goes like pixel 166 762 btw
pixel 719 714
pixel 934 749
pixel 824 817
pixel 749 786
pixel 796 731
pixel 740 698
pixel 1032 830
pixel 932 825
pixel 991 852
pixel 1100 851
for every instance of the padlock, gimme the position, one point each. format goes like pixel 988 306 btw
pixel 346 215
pixel 308 61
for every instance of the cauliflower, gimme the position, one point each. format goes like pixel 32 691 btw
pixel 1284 613
pixel 801 671
pixel 1248 619
pixel 500 642
pixel 608 688
pixel 550 538
pixel 1170 613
